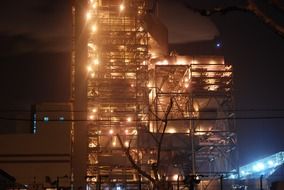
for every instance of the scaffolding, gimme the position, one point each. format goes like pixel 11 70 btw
pixel 128 93
pixel 200 136
pixel 116 91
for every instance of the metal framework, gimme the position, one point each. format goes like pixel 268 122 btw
pixel 200 134
pixel 116 91
pixel 128 94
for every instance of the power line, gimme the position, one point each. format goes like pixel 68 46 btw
pixel 173 119
pixel 85 111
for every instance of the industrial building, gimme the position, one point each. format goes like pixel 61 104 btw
pixel 146 116
pixel 40 159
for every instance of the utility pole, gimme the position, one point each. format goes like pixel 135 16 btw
pixel 260 181
pixel 221 182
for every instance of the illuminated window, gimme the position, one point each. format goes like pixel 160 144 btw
pixel 34 124
pixel 45 118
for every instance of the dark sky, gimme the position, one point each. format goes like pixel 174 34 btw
pixel 35 40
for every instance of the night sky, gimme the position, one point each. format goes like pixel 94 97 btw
pixel 35 42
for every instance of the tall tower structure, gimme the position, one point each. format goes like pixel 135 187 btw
pixel 116 77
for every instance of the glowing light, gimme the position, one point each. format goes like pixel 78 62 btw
pixel 91 117
pixel 199 132
pixel 258 167
pixel 96 61
pixel 165 62
pixel 88 15
pixel 94 5
pixel 186 85
pixel 114 143
pixel 132 85
pixel 121 7
pixel 134 132
pixel 212 62
pixel 89 68
pixel 194 62
pixel 175 177
pixel 181 62
pixel 218 44
pixel 94 110
pixel 92 75
pixel 172 130
pixel 270 163
pixel 196 107
pixel 126 131
pixel 110 131
pixel 213 88
pixel 91 45
pixel 94 28
pixel 126 143
pixel 153 54
pixel 129 119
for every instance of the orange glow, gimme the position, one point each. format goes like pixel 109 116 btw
pixel 110 131
pixel 88 15
pixel 121 7
pixel 126 131
pixel 172 130
pixel 96 61
pixel 175 177
pixel 126 143
pixel 94 28
pixel 129 119
pixel 186 85
pixel 89 68
pixel 94 5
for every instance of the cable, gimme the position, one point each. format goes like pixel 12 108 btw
pixel 175 119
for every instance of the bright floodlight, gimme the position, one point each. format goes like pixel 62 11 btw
pixel 88 15
pixel 172 130
pixel 129 119
pixel 94 28
pixel 121 7
pixel 96 61
pixel 258 167
pixel 89 68
pixel 110 131
pixel 265 166
pixel 175 177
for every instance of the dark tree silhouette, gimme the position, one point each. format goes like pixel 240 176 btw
pixel 262 9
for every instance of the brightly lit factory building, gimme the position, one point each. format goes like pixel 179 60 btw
pixel 129 86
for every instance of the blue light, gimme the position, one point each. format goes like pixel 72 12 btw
pixel 258 167
pixel 270 163
pixel 265 166
pixel 218 44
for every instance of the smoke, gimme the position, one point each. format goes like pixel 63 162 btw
pixel 184 25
